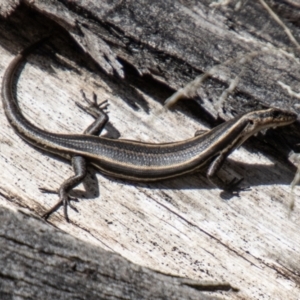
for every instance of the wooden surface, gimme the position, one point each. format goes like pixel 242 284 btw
pixel 42 262
pixel 184 227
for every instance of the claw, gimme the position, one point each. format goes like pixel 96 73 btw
pixel 88 101
pixel 93 108
pixel 95 97
pixel 64 200
pixel 103 105
pixel 47 191
pixel 72 206
pixel 233 185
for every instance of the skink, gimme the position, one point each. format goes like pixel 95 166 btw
pixel 135 160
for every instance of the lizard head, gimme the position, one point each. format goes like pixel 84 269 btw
pixel 268 118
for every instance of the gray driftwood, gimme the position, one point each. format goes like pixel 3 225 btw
pixel 41 262
pixel 136 54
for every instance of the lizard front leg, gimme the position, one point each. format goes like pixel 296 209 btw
pixel 214 167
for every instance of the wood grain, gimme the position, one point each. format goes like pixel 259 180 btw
pixel 184 227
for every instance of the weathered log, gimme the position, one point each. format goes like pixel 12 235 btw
pixel 136 54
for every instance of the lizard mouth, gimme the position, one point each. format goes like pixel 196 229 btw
pixel 280 117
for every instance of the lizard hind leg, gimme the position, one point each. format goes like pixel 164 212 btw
pixel 79 166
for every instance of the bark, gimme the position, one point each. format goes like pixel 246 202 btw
pixel 136 54
pixel 41 262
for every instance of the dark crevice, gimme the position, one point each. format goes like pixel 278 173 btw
pixel 212 287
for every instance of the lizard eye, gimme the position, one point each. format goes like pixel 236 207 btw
pixel 251 122
pixel 275 114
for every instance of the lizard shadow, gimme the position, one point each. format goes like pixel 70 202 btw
pixel 254 175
